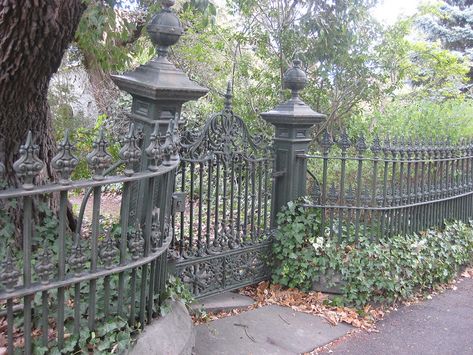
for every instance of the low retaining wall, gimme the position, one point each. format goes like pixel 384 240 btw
pixel 172 334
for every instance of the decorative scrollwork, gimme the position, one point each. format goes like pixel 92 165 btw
pixel 225 271
pixel 171 145
pixel 154 151
pixel 130 153
pixel 108 250
pixel 332 195
pixel 155 230
pixel 44 266
pixel 99 159
pixel 175 142
pixel 136 243
pixel 9 273
pixel 77 259
pixel 224 136
pixel 29 165
pixel 64 162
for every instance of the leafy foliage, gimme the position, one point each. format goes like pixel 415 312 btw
pixel 422 118
pixel 383 271
pixel 450 22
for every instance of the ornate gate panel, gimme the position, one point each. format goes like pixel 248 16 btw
pixel 221 229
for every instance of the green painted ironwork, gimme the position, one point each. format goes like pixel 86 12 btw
pixel 67 262
pixel 222 236
pixel 396 187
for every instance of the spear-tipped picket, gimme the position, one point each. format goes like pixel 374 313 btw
pixel 361 145
pixel 64 161
pixel 332 195
pixel 344 142
pixel 376 146
pixel 99 159
pixel 326 142
pixel 29 165
pixel 228 96
pixel 130 153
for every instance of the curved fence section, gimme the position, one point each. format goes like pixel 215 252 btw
pixel 222 232
pixel 389 187
pixel 57 281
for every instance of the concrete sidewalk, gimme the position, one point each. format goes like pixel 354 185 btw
pixel 442 325
pixel 266 330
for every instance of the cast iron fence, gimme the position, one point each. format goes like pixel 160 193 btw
pixel 56 282
pixel 391 186
pixel 222 233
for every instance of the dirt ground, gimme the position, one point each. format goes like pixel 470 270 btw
pixel 109 206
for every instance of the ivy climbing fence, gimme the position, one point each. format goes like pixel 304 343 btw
pixel 57 283
pixel 391 186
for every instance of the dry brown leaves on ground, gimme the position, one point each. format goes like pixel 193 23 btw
pixel 312 302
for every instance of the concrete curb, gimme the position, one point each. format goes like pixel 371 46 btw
pixel 173 334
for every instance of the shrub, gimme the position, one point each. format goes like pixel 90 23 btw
pixel 383 271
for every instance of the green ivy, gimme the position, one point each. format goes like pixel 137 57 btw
pixel 383 271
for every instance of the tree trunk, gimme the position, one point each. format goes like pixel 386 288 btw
pixel 34 35
pixel 104 90
pixel 33 38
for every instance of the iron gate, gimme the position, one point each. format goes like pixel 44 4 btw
pixel 222 206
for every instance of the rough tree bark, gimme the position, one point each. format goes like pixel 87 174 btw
pixel 33 37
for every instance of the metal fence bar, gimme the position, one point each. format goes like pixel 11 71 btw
pixel 413 185
pixel 104 257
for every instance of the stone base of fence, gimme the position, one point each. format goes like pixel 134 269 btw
pixel 330 282
pixel 171 334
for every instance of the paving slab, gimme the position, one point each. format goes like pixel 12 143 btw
pixel 442 325
pixel 224 302
pixel 266 330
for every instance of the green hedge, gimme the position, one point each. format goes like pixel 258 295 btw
pixel 384 271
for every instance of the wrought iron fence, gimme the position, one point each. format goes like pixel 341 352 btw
pixel 61 282
pixel 391 186
pixel 222 232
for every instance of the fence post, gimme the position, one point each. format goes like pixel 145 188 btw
pixel 158 88
pixel 293 121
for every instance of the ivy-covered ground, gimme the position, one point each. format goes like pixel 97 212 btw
pixel 382 271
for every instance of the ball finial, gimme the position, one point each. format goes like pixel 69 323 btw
pixel 295 78
pixel 165 29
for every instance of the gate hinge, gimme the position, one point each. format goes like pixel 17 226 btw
pixel 178 202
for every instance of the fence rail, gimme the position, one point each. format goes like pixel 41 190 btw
pixel 390 186
pixel 60 281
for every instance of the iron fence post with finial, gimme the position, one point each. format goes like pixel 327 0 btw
pixel 293 121
pixel 159 90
